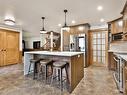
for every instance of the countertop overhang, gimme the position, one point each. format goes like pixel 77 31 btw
pixel 55 53
pixel 122 54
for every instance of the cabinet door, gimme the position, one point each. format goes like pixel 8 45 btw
pixel 2 46
pixel 125 26
pixel 12 47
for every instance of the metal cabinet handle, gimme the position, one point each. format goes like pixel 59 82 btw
pixel 3 50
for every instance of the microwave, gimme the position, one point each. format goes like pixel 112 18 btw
pixel 117 36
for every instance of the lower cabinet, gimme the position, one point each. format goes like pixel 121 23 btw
pixel 111 61
pixel 9 47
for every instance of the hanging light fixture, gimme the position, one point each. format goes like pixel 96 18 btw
pixel 65 27
pixel 43 31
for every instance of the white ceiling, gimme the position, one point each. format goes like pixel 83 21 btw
pixel 28 13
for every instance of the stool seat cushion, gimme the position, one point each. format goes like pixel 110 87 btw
pixel 59 64
pixel 33 60
pixel 45 61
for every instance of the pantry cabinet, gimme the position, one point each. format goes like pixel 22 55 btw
pixel 9 47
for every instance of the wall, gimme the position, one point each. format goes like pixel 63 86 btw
pixel 29 40
pixel 14 28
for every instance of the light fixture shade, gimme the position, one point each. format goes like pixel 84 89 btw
pixel 43 31
pixel 9 22
pixel 66 28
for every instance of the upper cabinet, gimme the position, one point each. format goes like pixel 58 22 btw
pixel 116 26
pixel 124 12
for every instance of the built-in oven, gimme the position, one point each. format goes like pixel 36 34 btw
pixel 117 36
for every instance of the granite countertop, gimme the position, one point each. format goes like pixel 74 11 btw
pixel 124 56
pixel 118 51
pixel 57 53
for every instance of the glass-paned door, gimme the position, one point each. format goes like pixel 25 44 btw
pixel 99 47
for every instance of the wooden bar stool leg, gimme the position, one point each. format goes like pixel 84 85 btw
pixel 29 68
pixel 45 74
pixel 67 79
pixel 58 74
pixel 34 70
pixel 52 76
pixel 39 70
pixel 61 85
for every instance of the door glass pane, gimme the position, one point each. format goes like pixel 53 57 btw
pixel 94 59
pixel 103 35
pixel 94 47
pixel 103 53
pixel 99 59
pixel 103 60
pixel 94 41
pixel 103 47
pixel 94 35
pixel 99 35
pixel 98 47
pixel 103 41
pixel 99 41
pixel 99 53
pixel 94 53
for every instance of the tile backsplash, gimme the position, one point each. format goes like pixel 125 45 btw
pixel 122 46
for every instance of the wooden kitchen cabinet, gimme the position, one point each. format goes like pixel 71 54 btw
pixel 111 61
pixel 116 26
pixel 9 47
pixel 125 80
pixel 2 47
pixel 124 13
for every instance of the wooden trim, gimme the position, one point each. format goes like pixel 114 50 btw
pixel 8 30
pixel 124 8
pixel 99 30
pixel 120 18
pixel 20 56
pixel 86 24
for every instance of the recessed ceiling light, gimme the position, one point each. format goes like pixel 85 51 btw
pixel 59 25
pixel 99 8
pixel 102 20
pixel 73 21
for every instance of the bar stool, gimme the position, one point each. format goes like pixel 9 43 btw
pixel 59 66
pixel 34 62
pixel 44 63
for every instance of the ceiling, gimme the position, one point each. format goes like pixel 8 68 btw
pixel 28 13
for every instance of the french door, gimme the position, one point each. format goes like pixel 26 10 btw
pixel 99 43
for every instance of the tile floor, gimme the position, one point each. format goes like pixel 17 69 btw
pixel 96 81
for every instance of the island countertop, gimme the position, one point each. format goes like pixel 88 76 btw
pixel 75 60
pixel 55 53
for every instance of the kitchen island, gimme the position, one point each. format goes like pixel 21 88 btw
pixel 74 59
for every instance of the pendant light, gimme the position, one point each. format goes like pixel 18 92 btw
pixel 43 31
pixel 65 27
